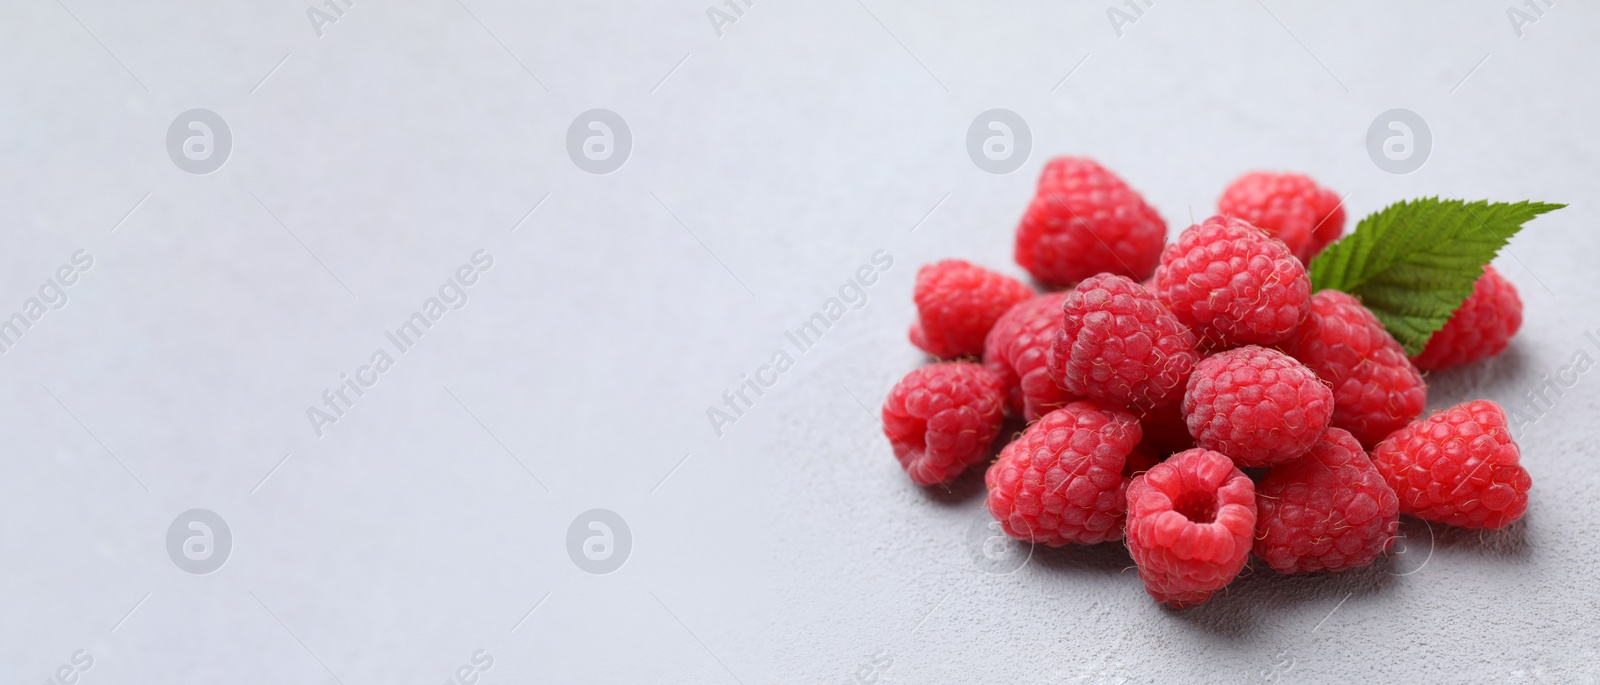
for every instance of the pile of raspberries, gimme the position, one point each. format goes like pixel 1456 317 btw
pixel 1197 400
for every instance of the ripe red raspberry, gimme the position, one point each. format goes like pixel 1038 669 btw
pixel 1329 510
pixel 1458 467
pixel 1304 215
pixel 957 304
pixel 1083 220
pixel 1190 522
pixel 942 418
pixel 1480 328
pixel 1017 348
pixel 1119 344
pixel 1233 284
pixel 1063 480
pixel 1258 406
pixel 1376 390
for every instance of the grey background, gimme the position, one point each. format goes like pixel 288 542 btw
pixel 806 137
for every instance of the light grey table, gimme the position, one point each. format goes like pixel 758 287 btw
pixel 435 531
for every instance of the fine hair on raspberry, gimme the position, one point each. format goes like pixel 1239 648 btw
pixel 1084 221
pixel 1329 510
pixel 1191 521
pixel 1018 349
pixel 1258 406
pixel 942 418
pixel 1459 467
pixel 1233 284
pixel 1119 344
pixel 1480 328
pixel 1064 479
pixel 957 303
pixel 1376 390
pixel 1291 207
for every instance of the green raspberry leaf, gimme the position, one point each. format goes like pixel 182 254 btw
pixel 1415 262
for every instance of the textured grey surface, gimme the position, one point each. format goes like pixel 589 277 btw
pixel 767 166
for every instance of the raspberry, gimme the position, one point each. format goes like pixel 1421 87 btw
pixel 1329 510
pixel 1376 390
pixel 957 304
pixel 1233 284
pixel 1082 221
pixel 942 418
pixel 1017 348
pixel 1458 467
pixel 1063 480
pixel 1292 207
pixel 1190 522
pixel 1258 406
pixel 1480 328
pixel 1119 344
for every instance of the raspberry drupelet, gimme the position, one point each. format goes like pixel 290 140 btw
pixel 1480 328
pixel 1083 221
pixel 942 418
pixel 1119 344
pixel 1258 406
pixel 1291 207
pixel 1459 467
pixel 1329 510
pixel 1191 520
pixel 1018 348
pixel 1233 284
pixel 1064 479
pixel 957 303
pixel 1376 390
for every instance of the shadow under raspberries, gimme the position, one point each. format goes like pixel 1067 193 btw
pixel 1510 542
pixel 970 483
pixel 961 491
pixel 1259 595
pixel 1504 375
pixel 1106 557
